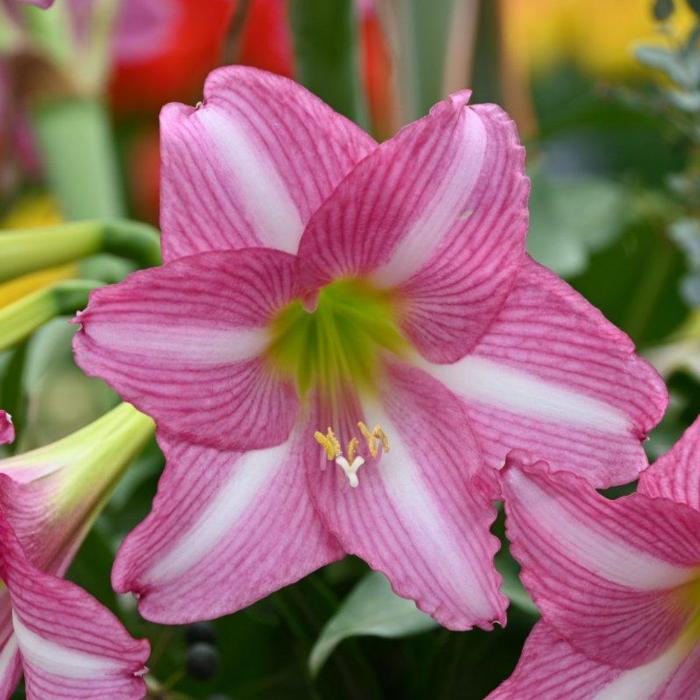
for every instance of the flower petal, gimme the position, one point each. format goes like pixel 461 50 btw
pixel 554 377
pixel 10 662
pixel 226 529
pixel 70 645
pixel 607 575
pixel 551 669
pixel 438 213
pixel 183 342
pixel 250 164
pixel 676 475
pixel 415 516
pixel 7 430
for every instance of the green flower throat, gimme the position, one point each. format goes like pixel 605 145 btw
pixel 340 343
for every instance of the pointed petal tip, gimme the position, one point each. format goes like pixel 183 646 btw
pixel 456 99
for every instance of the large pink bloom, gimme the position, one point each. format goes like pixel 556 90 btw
pixel 617 582
pixel 314 279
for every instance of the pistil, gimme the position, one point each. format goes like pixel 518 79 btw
pixel 351 462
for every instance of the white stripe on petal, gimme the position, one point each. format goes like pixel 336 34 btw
pixel 253 472
pixel 641 683
pixel 7 656
pixel 425 235
pixel 59 660
pixel 195 344
pixel 484 381
pixel 613 560
pixel 273 213
pixel 415 505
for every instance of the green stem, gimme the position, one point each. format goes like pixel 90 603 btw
pixel 20 319
pixel 29 250
pixel 648 292
pixel 326 52
pixel 75 140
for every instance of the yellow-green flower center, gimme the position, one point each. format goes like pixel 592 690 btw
pixel 340 343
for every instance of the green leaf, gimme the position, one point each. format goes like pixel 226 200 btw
pixel 686 101
pixel 512 587
pixel 327 58
pixel 572 217
pixel 686 233
pixel 372 608
pixel 681 67
pixel 13 397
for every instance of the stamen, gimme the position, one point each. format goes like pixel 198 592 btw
pixel 352 448
pixel 374 438
pixel 353 462
pixel 329 442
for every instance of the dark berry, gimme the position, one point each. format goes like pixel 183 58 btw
pixel 662 10
pixel 200 632
pixel 202 661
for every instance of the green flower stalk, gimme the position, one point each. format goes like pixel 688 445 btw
pixel 25 251
pixel 21 318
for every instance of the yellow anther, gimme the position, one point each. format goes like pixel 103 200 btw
pixel 382 437
pixel 374 438
pixel 352 449
pixel 329 442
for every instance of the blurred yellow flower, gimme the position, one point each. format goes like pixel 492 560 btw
pixel 16 289
pixel 598 35
pixel 30 212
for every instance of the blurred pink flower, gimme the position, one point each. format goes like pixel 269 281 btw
pixel 328 305
pixel 7 430
pixel 39 3
pixel 617 582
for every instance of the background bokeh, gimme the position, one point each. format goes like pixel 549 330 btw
pixel 607 99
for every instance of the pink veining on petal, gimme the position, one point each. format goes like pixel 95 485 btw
pixel 415 515
pixel 183 343
pixel 10 662
pixel 251 163
pixel 605 574
pixel 69 644
pixel 551 669
pixel 676 475
pixel 439 214
pixel 551 375
pixel 226 529
pixel 7 430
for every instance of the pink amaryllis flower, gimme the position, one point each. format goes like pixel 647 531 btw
pixel 64 642
pixel 617 582
pixel 343 336
pixel 7 429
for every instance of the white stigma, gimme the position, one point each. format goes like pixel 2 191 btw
pixel 350 469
